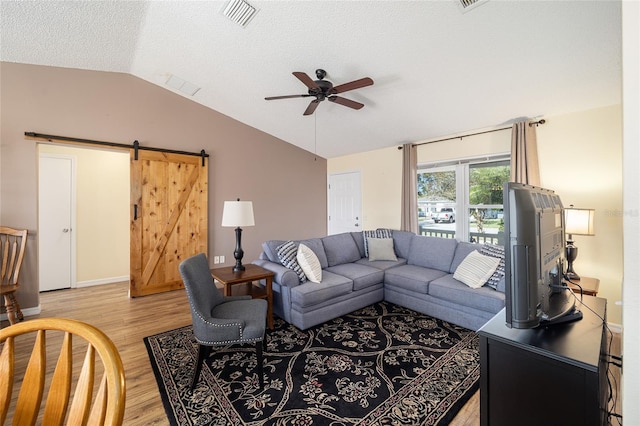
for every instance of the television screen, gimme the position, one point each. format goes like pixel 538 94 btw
pixel 535 292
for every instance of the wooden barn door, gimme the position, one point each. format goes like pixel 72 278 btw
pixel 168 219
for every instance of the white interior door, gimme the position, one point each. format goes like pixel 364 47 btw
pixel 55 222
pixel 345 203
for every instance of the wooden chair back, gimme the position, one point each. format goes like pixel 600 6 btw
pixel 107 408
pixel 12 246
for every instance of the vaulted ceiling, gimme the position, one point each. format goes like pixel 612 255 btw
pixel 438 70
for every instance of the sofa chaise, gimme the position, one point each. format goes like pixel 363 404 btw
pixel 358 269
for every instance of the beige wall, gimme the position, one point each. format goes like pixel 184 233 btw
pixel 286 184
pixel 101 212
pixel 580 158
pixel 380 172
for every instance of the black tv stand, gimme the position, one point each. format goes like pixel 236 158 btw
pixel 554 375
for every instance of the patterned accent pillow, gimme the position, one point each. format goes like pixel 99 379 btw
pixel 309 263
pixel 378 233
pixel 476 269
pixel 287 253
pixel 494 251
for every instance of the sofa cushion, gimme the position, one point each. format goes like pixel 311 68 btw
pixel 432 252
pixel 484 298
pixel 359 239
pixel 270 249
pixel 462 250
pixel 309 263
pixel 332 285
pixel 402 243
pixel 382 264
pixel 497 279
pixel 340 248
pixel 412 277
pixel 361 275
pixel 476 269
pixel 381 249
pixel 287 253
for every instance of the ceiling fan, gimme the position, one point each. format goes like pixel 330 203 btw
pixel 323 89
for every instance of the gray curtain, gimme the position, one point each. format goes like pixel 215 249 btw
pixel 524 154
pixel 409 220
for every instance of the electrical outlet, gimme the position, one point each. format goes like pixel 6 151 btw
pixel 221 259
pixel 216 259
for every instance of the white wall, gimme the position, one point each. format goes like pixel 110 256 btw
pixel 631 211
pixel 580 158
pixel 102 213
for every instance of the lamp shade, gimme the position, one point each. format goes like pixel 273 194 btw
pixel 237 213
pixel 579 221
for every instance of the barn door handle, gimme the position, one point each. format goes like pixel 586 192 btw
pixel 135 212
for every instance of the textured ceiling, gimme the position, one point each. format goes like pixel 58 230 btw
pixel 437 71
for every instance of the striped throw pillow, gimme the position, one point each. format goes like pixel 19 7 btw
pixel 287 253
pixel 476 269
pixel 497 252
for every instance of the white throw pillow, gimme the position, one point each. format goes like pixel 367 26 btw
pixel 381 249
pixel 309 263
pixel 476 269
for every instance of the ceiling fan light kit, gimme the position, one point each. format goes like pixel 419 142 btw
pixel 323 89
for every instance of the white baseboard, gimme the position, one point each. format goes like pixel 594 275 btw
pixel 615 328
pixel 27 312
pixel 90 283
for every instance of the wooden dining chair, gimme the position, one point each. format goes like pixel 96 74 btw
pixel 12 246
pixel 107 408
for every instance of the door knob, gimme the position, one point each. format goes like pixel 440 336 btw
pixel 357 225
pixel 65 230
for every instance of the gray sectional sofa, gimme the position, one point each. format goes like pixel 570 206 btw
pixel 420 278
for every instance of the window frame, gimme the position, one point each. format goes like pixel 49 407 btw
pixel 461 167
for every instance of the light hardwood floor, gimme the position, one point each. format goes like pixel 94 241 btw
pixel 127 321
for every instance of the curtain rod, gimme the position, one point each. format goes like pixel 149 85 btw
pixel 536 123
pixel 52 138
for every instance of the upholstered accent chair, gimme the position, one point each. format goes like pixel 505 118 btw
pixel 221 320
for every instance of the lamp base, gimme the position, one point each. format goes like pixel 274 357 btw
pixel 238 252
pixel 571 253
pixel 572 276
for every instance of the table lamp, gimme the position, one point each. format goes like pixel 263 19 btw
pixel 236 214
pixel 576 222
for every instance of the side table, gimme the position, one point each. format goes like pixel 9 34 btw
pixel 589 286
pixel 229 278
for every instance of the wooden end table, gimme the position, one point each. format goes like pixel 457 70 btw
pixel 589 286
pixel 230 280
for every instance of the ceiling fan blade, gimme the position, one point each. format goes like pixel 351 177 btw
pixel 271 98
pixel 306 80
pixel 312 107
pixel 356 84
pixel 346 102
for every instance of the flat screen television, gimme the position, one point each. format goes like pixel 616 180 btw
pixel 535 292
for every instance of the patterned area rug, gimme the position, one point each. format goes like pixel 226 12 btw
pixel 380 365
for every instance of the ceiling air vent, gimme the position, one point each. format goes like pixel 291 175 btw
pixel 240 12
pixel 467 5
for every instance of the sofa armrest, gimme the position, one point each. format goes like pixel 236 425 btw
pixel 282 275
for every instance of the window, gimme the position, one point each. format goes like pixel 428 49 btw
pixel 463 200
